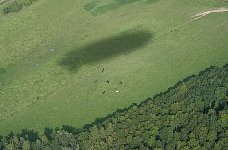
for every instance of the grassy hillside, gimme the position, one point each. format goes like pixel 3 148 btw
pixel 53 53
pixel 193 114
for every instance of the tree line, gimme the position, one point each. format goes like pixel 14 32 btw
pixel 191 115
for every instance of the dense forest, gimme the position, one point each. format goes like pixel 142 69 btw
pixel 191 115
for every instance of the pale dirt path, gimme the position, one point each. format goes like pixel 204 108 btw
pixel 200 15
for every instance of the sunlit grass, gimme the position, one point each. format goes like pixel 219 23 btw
pixel 146 47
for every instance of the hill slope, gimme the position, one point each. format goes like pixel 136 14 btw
pixel 52 54
pixel 191 115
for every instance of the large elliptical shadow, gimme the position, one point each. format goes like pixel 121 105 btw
pixel 98 51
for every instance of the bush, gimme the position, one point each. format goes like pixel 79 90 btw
pixel 16 6
pixel 11 7
pixel 27 2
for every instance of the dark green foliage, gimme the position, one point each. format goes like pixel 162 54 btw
pixel 27 2
pixel 11 7
pixel 64 140
pixel 191 115
pixel 60 140
pixel 16 5
pixel 188 115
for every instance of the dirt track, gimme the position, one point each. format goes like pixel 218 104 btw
pixel 200 15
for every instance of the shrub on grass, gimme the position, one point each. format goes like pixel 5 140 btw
pixel 27 2
pixel 11 7
pixel 16 6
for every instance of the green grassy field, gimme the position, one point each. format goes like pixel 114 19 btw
pixel 52 54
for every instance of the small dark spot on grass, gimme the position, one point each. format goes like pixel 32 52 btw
pixel 2 70
pixel 89 6
pixel 98 51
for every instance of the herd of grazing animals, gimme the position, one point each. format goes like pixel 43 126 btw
pixel 106 81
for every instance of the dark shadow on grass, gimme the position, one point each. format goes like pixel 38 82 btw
pixel 2 71
pixel 48 133
pixel 30 135
pixel 70 129
pixel 98 51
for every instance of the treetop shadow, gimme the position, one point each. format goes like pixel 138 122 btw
pixel 98 51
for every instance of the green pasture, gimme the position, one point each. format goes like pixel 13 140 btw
pixel 57 57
